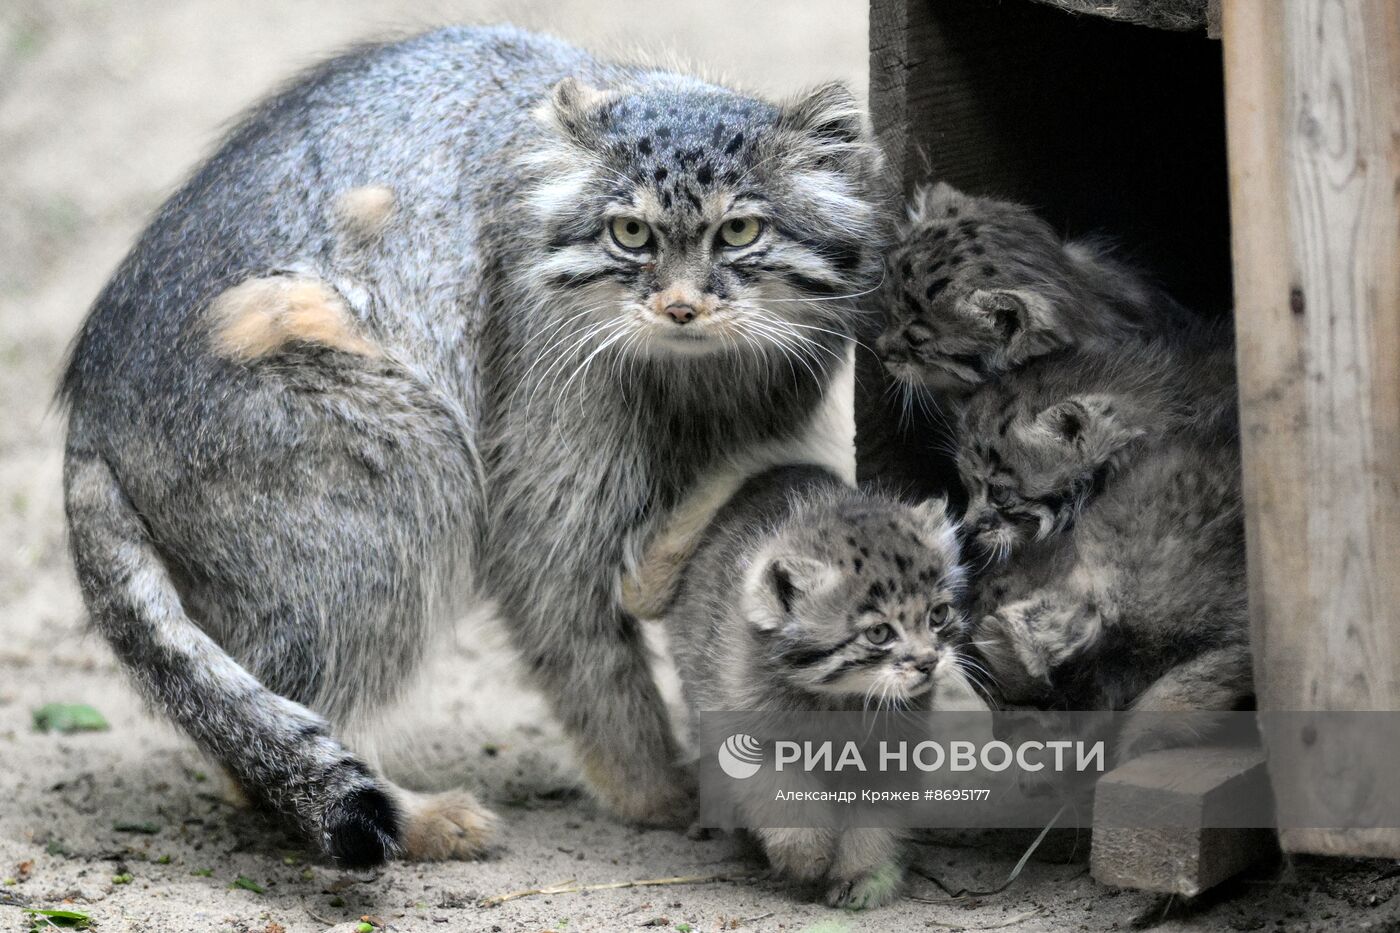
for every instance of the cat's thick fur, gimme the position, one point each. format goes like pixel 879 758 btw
pixel 976 287
pixel 1035 446
pixel 1138 604
pixel 1094 428
pixel 389 348
pixel 805 594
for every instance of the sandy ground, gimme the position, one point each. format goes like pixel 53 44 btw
pixel 103 107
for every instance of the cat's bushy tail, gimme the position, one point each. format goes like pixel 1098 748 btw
pixel 268 743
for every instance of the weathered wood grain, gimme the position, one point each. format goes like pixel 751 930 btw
pixel 1313 96
pixel 1207 797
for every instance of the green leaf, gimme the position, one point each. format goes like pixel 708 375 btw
pixel 149 827
pixel 682 928
pixel 69 717
pixel 248 884
pixel 203 872
pixel 123 878
pixel 69 919
pixel 364 926
pixel 165 860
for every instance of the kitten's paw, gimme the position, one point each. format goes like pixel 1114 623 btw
pixel 873 889
pixel 361 829
pixel 451 825
pixel 798 854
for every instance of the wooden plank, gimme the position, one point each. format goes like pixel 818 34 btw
pixel 1207 798
pixel 1313 98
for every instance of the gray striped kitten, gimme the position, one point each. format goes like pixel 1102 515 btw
pixel 1035 447
pixel 976 288
pixel 1106 492
pixel 805 594
pixel 454 318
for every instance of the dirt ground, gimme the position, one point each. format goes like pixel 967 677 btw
pixel 104 105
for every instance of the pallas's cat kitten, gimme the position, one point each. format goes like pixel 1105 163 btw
pixel 461 316
pixel 805 594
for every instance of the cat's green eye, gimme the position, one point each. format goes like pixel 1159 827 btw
pixel 630 233
pixel 879 634
pixel 940 617
pixel 740 231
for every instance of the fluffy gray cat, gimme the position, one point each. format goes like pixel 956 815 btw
pixel 1139 605
pixel 1104 491
pixel 1093 424
pixel 463 315
pixel 1035 446
pixel 805 594
pixel 976 287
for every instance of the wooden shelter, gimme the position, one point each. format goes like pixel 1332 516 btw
pixel 1248 151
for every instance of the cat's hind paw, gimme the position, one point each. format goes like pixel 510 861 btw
pixel 446 826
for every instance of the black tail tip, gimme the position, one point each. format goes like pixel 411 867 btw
pixel 362 829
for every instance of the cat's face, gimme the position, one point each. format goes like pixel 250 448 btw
pixel 1030 467
pixel 969 292
pixel 681 219
pixel 860 601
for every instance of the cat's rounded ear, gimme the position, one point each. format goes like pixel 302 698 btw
pixel 1089 422
pixel 573 108
pixel 832 123
pixel 779 582
pixel 940 527
pixel 930 202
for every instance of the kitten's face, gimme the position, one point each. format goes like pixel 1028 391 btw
pixel 1030 470
pixel 685 220
pixel 860 601
pixel 968 292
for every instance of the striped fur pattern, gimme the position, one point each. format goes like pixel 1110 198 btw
pixel 976 288
pixel 1038 445
pixel 453 379
pixel 1096 438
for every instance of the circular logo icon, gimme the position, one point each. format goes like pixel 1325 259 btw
pixel 740 756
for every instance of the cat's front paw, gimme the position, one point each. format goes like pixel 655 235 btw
pixel 874 888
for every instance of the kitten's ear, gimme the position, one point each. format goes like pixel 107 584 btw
pixel 1016 314
pixel 1024 320
pixel 931 202
pixel 938 525
pixel 1090 423
pixel 572 109
pixel 832 123
pixel 782 580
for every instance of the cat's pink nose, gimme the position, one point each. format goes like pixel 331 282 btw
pixel 681 314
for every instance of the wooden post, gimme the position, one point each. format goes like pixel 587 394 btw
pixel 1313 103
